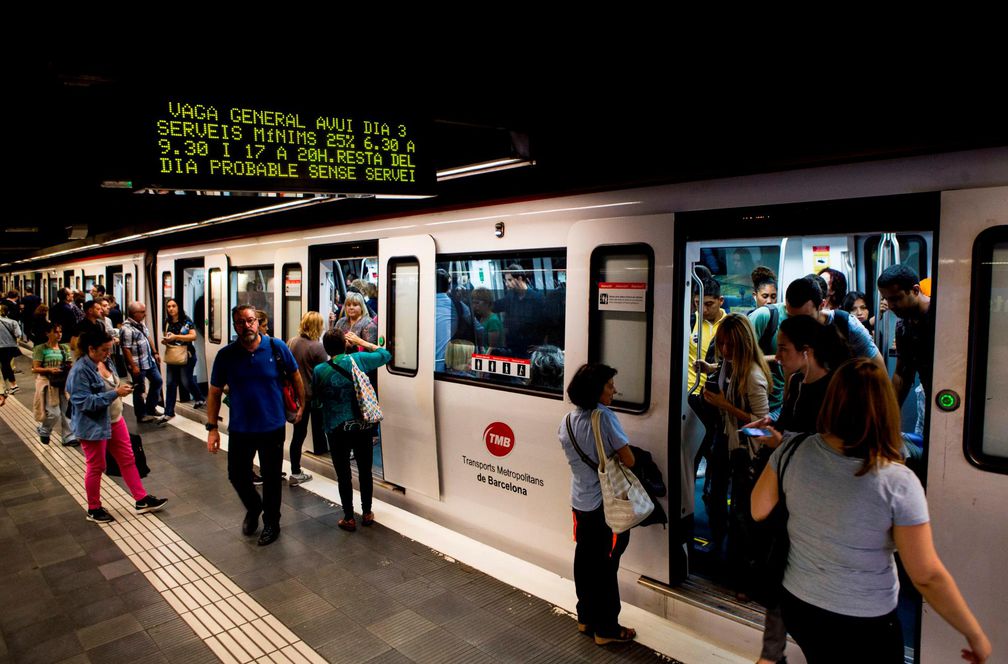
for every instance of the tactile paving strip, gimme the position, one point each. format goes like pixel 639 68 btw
pixel 236 627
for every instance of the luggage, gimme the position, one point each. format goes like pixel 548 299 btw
pixel 112 468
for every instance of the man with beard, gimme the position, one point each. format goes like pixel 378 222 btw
pixel 900 286
pixel 249 367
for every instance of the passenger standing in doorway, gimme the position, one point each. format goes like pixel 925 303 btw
pixel 309 353
pixel 96 395
pixel 764 284
pixel 702 347
pixel 857 305
pixel 598 550
pixel 841 588
pixel 247 366
pixel 143 361
pixel 901 288
pixel 51 362
pixel 346 432
pixel 356 319
pixel 180 331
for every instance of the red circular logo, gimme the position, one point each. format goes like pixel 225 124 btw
pixel 499 439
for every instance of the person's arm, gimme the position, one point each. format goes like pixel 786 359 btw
pixel 37 368
pixel 764 495
pixel 626 456
pixel 300 387
pixel 84 400
pixel 213 413
pixel 902 379
pixel 929 576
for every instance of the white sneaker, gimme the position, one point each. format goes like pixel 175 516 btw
pixel 299 478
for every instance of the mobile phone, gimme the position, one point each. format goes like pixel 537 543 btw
pixel 754 432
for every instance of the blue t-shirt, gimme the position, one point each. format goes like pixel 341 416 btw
pixel 255 399
pixel 840 525
pixel 859 341
pixel 586 492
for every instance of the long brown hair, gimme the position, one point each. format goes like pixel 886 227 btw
pixel 737 333
pixel 860 408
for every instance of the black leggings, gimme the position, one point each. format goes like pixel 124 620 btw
pixel 6 355
pixel 826 637
pixel 340 444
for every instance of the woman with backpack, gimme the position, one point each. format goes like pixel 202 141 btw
pixel 346 431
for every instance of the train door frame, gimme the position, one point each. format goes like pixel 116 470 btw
pixel 178 270
pixel 222 263
pixel 409 433
pixel 865 216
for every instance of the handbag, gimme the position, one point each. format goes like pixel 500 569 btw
pixel 624 500
pixel 290 396
pixel 768 548
pixel 367 412
pixel 177 355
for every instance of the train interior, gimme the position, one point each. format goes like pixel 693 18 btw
pixel 860 257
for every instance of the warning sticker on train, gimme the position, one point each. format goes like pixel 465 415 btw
pixel 622 295
pixel 503 366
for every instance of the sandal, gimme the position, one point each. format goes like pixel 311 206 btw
pixel 367 519
pixel 348 525
pixel 622 635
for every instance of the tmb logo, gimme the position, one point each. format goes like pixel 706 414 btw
pixel 499 439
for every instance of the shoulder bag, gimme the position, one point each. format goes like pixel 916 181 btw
pixel 768 549
pixel 368 412
pixel 176 355
pixel 290 396
pixel 624 500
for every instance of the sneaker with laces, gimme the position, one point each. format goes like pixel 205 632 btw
pixel 150 503
pixel 199 404
pixel 165 420
pixel 299 478
pixel 99 515
pixel 256 479
pixel 14 390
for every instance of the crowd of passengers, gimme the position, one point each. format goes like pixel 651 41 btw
pixel 804 371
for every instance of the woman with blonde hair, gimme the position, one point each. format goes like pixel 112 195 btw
pixel 309 352
pixel 840 584
pixel 356 318
pixel 742 394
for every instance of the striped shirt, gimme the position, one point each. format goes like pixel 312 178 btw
pixel 135 339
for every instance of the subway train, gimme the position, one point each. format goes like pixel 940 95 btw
pixel 469 439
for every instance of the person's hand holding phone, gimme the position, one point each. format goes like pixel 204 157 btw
pixel 763 433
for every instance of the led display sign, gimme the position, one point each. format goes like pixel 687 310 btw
pixel 203 144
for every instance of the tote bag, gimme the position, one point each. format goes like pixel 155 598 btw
pixel 367 399
pixel 177 355
pixel 624 500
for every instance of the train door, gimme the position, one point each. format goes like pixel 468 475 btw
pixel 622 269
pixel 184 280
pixel 332 268
pixel 968 453
pixel 720 251
pixel 406 324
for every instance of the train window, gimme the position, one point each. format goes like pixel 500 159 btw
pixel 253 286
pixel 404 315
pixel 117 289
pixel 291 299
pixel 732 267
pixel 89 282
pixel 986 442
pixel 621 319
pixel 215 313
pixel 500 319
pixel 913 254
pixel 129 288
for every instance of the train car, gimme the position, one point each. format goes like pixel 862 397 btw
pixel 472 411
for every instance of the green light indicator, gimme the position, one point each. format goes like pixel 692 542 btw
pixel 947 400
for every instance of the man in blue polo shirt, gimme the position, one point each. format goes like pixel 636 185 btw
pixel 249 368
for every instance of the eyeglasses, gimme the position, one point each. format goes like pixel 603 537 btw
pixel 248 322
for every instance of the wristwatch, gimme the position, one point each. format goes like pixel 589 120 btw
pixel 210 427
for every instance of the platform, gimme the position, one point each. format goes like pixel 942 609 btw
pixel 184 586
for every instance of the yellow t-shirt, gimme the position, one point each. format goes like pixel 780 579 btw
pixel 709 329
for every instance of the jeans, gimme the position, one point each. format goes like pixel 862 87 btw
pixel 301 432
pixel 242 448
pixel 142 408
pixel 340 444
pixel 177 374
pixel 121 449
pixel 596 562
pixel 51 404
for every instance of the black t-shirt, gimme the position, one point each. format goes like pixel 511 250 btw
pixel 915 346
pixel 802 404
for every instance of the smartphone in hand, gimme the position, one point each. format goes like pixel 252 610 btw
pixel 754 432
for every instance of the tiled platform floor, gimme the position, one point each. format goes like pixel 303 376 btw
pixel 69 591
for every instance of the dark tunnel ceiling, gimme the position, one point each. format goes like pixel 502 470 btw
pixel 582 133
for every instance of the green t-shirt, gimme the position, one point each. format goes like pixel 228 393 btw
pixel 760 318
pixel 51 357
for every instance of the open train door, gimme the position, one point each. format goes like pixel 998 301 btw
pixel 406 386
pixel 217 312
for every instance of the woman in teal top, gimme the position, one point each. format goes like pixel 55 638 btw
pixel 333 390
